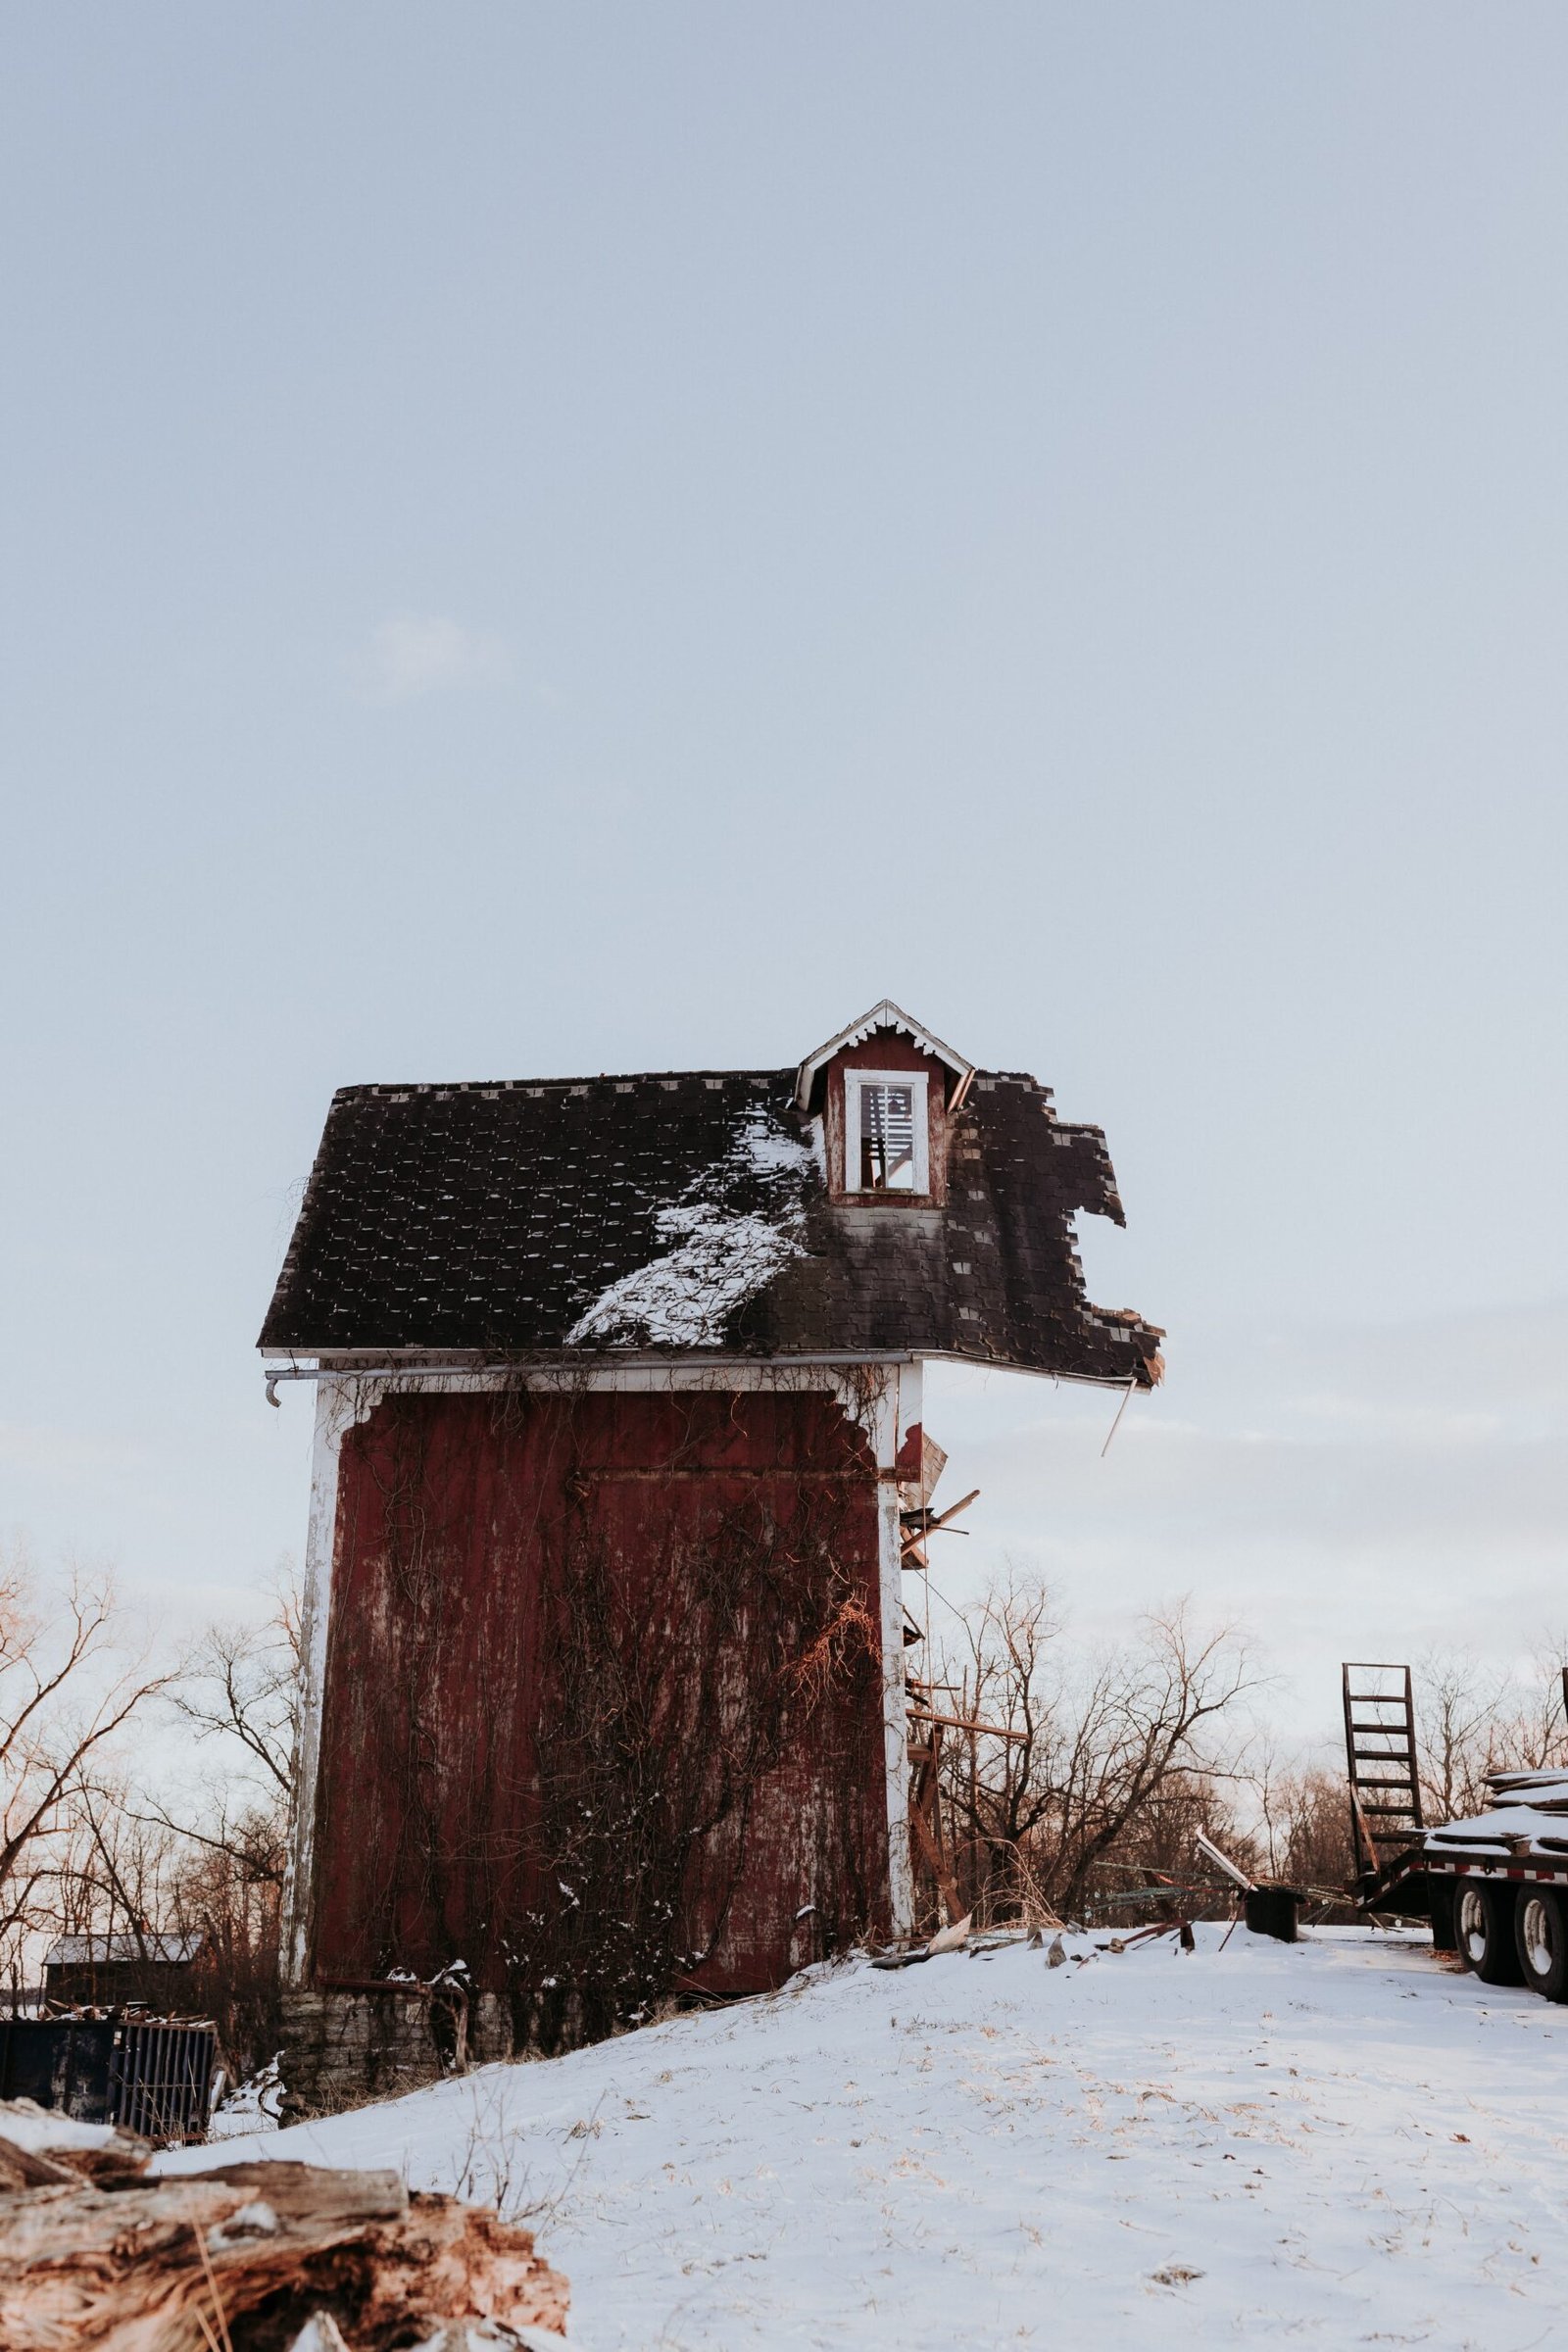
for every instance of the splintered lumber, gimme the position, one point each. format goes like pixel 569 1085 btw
pixel 965 1723
pixel 244 2257
pixel 935 1860
pixel 919 1524
pixel 1208 1847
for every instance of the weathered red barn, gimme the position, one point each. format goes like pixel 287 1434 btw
pixel 618 1409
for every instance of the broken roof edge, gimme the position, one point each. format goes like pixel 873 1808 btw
pixel 886 1016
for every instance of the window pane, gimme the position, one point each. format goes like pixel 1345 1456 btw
pixel 887 1139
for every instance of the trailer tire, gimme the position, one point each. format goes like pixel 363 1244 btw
pixel 1540 1933
pixel 1483 1921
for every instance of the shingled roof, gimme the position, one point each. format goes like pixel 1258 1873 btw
pixel 687 1211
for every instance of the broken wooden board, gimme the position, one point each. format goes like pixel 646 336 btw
pixel 243 2257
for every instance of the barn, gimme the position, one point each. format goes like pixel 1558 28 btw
pixel 618 1450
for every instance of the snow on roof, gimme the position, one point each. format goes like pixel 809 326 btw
pixel 718 1257
pixel 687 1209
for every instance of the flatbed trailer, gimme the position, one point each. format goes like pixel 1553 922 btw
pixel 1495 1889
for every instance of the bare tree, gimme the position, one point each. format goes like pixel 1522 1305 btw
pixel 1472 1720
pixel 1458 1703
pixel 237 1692
pixel 1533 1732
pixel 1305 1818
pixel 1110 1759
pixel 66 1689
pixel 223 1875
pixel 242 1685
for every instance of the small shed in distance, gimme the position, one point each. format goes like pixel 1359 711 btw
pixel 111 1972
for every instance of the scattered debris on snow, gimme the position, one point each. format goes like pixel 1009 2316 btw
pixel 252 2105
pixel 1336 2141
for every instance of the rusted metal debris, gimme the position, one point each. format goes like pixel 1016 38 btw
pixel 150 2074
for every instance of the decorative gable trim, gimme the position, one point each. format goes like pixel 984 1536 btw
pixel 886 1016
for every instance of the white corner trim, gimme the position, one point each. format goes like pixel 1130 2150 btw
pixel 341 1400
pixel 880 1416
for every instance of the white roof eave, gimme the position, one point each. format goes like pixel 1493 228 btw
pixel 886 1016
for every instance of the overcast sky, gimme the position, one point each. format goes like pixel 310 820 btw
pixel 543 540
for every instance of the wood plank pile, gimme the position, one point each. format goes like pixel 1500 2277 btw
pixel 95 2257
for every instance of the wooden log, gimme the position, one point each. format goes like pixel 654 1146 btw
pixel 30 2168
pixel 244 2256
pixel 30 2155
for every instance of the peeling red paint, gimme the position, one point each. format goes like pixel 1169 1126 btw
pixel 452 1510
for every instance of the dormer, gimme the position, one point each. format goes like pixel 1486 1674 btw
pixel 885 1091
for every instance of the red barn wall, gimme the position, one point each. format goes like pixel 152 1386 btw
pixel 698 1572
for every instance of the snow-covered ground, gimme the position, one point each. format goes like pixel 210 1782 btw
pixel 1336 2143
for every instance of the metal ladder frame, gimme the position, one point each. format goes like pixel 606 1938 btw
pixel 1397 1751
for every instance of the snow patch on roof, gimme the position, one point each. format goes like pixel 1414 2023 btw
pixel 765 1148
pixel 686 1300
pixel 719 1253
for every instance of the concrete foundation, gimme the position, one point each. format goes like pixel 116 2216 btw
pixel 344 2047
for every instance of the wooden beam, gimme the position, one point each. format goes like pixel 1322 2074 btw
pixel 933 1856
pixel 961 1723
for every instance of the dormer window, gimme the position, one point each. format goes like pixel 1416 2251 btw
pixel 883 1095
pixel 887 1131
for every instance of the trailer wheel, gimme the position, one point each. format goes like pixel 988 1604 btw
pixel 1483 1920
pixel 1541 1931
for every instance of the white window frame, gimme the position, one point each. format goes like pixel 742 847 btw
pixel 853 1080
